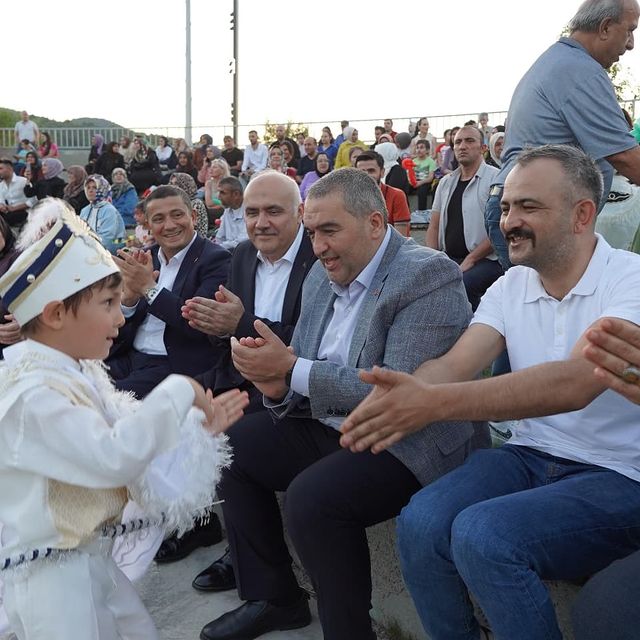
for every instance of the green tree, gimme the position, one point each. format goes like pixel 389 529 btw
pixel 293 129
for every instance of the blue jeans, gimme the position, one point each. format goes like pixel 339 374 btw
pixel 498 525
pixel 492 214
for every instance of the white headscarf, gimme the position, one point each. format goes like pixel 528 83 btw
pixel 390 153
pixel 492 146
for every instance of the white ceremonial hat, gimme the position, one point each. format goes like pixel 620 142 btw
pixel 67 259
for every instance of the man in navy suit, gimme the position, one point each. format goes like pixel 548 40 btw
pixel 156 340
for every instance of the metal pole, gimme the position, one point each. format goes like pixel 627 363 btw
pixel 235 71
pixel 187 128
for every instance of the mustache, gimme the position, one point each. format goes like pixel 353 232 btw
pixel 520 232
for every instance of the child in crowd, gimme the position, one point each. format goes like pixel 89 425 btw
pixel 73 449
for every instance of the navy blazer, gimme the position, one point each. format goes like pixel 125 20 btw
pixel 203 270
pixel 242 282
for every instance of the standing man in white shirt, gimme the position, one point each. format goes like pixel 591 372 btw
pixel 256 157
pixel 14 205
pixel 26 129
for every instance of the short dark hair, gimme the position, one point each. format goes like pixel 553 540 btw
pixel 370 155
pixel 424 142
pixel 6 161
pixel 233 183
pixel 581 170
pixel 168 191
pixel 379 129
pixel 253 131
pixel 73 302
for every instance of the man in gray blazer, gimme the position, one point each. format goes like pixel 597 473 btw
pixel 373 297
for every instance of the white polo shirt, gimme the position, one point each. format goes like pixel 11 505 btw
pixel 538 329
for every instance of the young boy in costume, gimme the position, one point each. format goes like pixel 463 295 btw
pixel 73 449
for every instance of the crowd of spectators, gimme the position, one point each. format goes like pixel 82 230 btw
pixel 286 269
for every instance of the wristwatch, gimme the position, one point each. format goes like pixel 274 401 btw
pixel 151 293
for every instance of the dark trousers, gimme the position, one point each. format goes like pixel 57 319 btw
pixel 332 496
pixel 138 372
pixel 423 196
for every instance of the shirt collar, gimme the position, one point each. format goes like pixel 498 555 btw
pixel 291 253
pixel 588 282
pixel 179 257
pixel 364 279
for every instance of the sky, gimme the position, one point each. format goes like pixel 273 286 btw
pixel 299 61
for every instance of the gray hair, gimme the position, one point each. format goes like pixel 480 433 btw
pixel 361 196
pixel 592 12
pixel 290 185
pixel 582 172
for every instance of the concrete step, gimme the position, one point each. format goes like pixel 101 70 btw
pixel 180 611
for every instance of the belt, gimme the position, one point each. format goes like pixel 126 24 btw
pixel 496 190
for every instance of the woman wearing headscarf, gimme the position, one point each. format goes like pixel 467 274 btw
pixel 321 166
pixel 110 159
pixel 394 174
pixel 51 184
pixel 350 141
pixel 144 170
pixel 123 196
pixel 127 150
pixel 74 191
pixel 97 145
pixel 496 143
pixel 188 185
pixel 101 216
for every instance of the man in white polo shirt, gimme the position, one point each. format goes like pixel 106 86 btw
pixel 561 500
pixel 26 129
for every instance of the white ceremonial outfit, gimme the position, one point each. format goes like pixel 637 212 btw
pixel 72 450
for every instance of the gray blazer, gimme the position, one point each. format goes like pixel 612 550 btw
pixel 415 310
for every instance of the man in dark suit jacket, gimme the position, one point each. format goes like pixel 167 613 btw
pixel 372 298
pixel 265 280
pixel 156 340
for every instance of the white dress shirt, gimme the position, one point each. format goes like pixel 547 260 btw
pixel 13 193
pixel 272 279
pixel 232 229
pixel 255 159
pixel 336 341
pixel 150 335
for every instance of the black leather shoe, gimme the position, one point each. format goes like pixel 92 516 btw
pixel 256 617
pixel 202 535
pixel 218 576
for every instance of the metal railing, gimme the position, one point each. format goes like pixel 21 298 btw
pixel 80 137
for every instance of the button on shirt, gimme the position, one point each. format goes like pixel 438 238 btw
pixel 538 328
pixel 150 335
pixel 271 281
pixel 336 341
pixel 232 230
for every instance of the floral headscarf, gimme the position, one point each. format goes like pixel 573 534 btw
pixel 52 168
pixel 118 188
pixel 186 183
pixel 103 188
